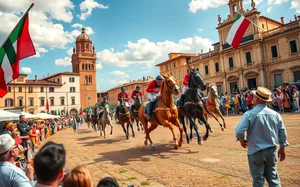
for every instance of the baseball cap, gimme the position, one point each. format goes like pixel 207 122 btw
pixel 7 143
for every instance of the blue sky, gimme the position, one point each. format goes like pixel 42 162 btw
pixel 130 36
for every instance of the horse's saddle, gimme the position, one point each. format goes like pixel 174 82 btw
pixel 147 107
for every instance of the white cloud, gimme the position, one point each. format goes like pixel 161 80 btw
pixel 149 53
pixel 205 4
pixel 269 10
pixel 39 50
pixel 26 70
pixel 70 51
pixel 120 74
pixel 122 81
pixel 200 29
pixel 88 30
pixel 63 61
pixel 98 65
pixel 87 7
pixel 296 5
pixel 278 2
pixel 112 82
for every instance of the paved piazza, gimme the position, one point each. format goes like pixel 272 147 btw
pixel 220 161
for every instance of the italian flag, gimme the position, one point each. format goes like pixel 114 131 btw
pixel 17 47
pixel 237 31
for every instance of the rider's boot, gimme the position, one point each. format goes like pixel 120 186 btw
pixel 182 100
pixel 132 108
pixel 117 114
pixel 150 110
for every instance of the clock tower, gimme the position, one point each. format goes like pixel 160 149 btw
pixel 84 63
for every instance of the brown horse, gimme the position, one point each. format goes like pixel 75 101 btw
pixel 125 117
pixel 166 113
pixel 212 106
pixel 136 107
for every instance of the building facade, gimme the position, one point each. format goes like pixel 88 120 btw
pixel 84 63
pixel 268 55
pixel 60 90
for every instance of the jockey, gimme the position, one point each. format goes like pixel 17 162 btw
pixel 126 98
pixel 133 96
pixel 186 85
pixel 153 90
pixel 102 105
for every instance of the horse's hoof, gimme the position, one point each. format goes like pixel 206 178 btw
pixel 222 129
pixel 188 141
pixel 138 129
pixel 133 136
pixel 175 147
pixel 179 144
pixel 204 138
pixel 211 130
pixel 153 146
pixel 145 142
pixel 200 142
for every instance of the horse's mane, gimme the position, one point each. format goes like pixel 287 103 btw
pixel 212 84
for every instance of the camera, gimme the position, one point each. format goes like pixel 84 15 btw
pixel 22 162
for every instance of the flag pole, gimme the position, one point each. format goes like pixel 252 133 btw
pixel 32 4
pixel 253 23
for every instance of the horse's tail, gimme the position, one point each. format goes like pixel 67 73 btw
pixel 142 118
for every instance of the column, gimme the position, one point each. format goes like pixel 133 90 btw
pixel 241 78
pixel 262 77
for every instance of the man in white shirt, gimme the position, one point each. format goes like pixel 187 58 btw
pixel 10 174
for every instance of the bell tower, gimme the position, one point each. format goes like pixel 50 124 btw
pixel 235 6
pixel 84 62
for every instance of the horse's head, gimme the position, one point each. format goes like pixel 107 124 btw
pixel 122 100
pixel 196 81
pixel 138 99
pixel 106 110
pixel 213 90
pixel 171 84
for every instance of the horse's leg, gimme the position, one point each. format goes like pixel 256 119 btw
pixel 193 124
pixel 181 119
pixel 131 126
pixel 111 127
pixel 221 116
pixel 122 123
pixel 177 123
pixel 137 124
pixel 191 130
pixel 103 128
pixel 207 126
pixel 214 116
pixel 151 128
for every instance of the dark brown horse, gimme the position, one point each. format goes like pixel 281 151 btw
pixel 166 113
pixel 125 117
pixel 136 107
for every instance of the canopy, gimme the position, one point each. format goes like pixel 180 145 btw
pixel 47 116
pixel 27 115
pixel 8 116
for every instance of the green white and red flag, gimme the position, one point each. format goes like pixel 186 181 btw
pixel 237 31
pixel 17 46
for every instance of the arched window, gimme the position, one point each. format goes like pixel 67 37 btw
pixel 82 66
pixel 86 67
pixel 86 80
pixel 89 66
pixel 90 79
pixel 93 67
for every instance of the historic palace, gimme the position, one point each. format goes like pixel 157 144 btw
pixel 268 55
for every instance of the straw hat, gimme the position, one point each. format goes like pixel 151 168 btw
pixel 9 125
pixel 263 94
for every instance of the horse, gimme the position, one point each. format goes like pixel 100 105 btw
pixel 136 107
pixel 95 119
pixel 104 120
pixel 89 118
pixel 212 106
pixel 125 117
pixel 192 108
pixel 166 113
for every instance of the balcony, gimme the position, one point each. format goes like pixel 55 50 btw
pixel 249 64
pixel 231 69
pixel 278 30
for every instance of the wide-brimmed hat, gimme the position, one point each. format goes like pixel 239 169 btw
pixel 7 143
pixel 263 94
pixel 9 125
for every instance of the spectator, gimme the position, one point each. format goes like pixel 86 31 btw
pixel 296 99
pixel 10 174
pixel 79 177
pixel 265 130
pixel 24 131
pixel 74 124
pixel 9 128
pixel 249 101
pixel 49 165
pixel 108 182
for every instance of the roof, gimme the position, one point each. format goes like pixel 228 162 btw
pixel 131 83
pixel 38 82
pixel 180 56
pixel 83 36
pixel 271 20
pixel 61 73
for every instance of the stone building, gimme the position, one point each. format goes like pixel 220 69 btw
pixel 268 55
pixel 84 63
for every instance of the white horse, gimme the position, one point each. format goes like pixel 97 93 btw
pixel 105 120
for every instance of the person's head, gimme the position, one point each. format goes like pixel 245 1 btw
pixel 123 89
pixel 22 118
pixel 79 176
pixel 261 96
pixel 15 134
pixel 49 163
pixel 138 87
pixel 192 69
pixel 159 79
pixel 10 126
pixel 108 182
pixel 105 98
pixel 8 148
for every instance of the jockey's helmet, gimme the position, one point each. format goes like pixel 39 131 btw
pixel 123 88
pixel 159 78
pixel 138 87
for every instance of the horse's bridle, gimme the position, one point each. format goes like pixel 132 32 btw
pixel 193 79
pixel 169 87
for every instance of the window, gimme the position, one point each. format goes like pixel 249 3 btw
pixel 51 89
pixel 82 69
pixel 51 101
pixel 8 89
pixel 58 80
pixel 73 101
pixel 31 102
pixel 62 101
pixel 42 101
pixel 296 76
pixel 219 88
pixel 278 80
pixel 175 75
pixel 248 58
pixel 20 89
pixel 90 79
pixel 230 59
pixel 30 89
pixel 87 46
pixel 274 51
pixel 72 89
pixel 217 66
pixel 174 64
pixel 206 70
pixel 20 100
pixel 71 79
pixel 293 46
pixel 42 89
pixel 92 66
pixel 9 102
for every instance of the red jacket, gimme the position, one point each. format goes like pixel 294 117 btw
pixel 126 98
pixel 133 94
pixel 186 79
pixel 152 85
